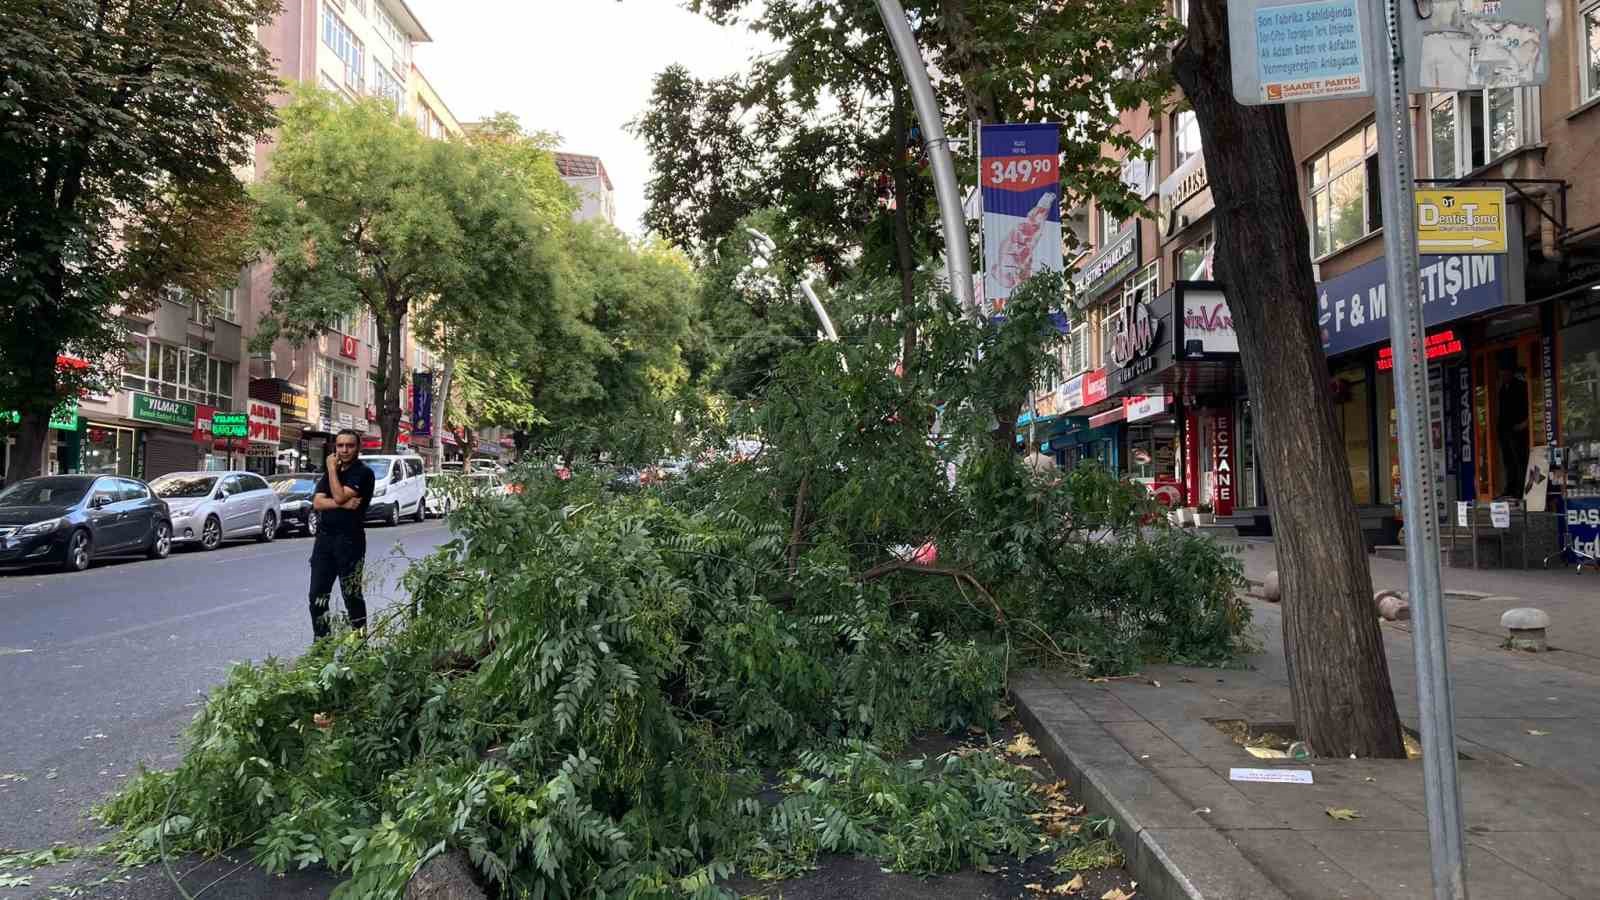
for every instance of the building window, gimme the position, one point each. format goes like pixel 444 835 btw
pixel 1142 287
pixel 346 323
pixel 345 45
pixel 1195 260
pixel 1110 325
pixel 227 305
pixel 1344 193
pixel 1589 57
pixel 1077 352
pixel 1185 137
pixel 343 382
pixel 1110 227
pixel 387 86
pixel 1470 129
pixel 177 373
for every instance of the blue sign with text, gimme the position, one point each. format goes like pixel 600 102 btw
pixel 1583 524
pixel 1353 308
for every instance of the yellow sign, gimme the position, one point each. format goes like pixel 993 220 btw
pixel 1461 220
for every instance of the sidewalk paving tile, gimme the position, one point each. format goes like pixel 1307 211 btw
pixel 1188 861
pixel 1395 864
pixel 1305 872
pixel 1570 855
pixel 1213 799
pixel 1148 744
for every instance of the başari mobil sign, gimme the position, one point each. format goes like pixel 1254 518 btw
pixel 1020 180
pixel 1353 309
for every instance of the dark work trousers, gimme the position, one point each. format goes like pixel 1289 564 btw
pixel 337 557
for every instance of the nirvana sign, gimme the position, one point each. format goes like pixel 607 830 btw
pixel 1143 347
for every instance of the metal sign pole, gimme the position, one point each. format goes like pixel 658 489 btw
pixel 1406 331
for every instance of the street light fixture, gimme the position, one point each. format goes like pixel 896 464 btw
pixel 766 248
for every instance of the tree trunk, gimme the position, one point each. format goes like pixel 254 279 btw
pixel 1338 674
pixel 441 397
pixel 27 455
pixel 390 351
pixel 905 258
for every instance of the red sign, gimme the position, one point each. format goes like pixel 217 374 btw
pixel 1437 346
pixel 1019 173
pixel 347 346
pixel 1094 387
pixel 1222 464
pixel 202 423
pixel 266 422
pixel 1191 455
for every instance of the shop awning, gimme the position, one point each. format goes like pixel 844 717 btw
pixel 1114 414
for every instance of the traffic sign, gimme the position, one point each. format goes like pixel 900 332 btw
pixel 1461 220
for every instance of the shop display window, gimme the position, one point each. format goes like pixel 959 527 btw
pixel 1352 411
pixel 1579 399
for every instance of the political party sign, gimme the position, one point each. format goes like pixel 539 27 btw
pixel 1020 180
pixel 1288 51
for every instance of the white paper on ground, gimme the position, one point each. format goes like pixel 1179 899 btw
pixel 1282 776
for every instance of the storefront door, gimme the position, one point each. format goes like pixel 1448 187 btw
pixel 1507 382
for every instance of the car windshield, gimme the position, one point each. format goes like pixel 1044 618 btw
pixel 293 485
pixel 45 492
pixel 180 487
pixel 379 467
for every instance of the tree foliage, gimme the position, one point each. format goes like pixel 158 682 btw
pixel 125 120
pixel 586 687
pixel 362 213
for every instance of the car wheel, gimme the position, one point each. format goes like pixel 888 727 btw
pixel 311 523
pixel 160 542
pixel 79 552
pixel 269 528
pixel 211 534
pixel 393 518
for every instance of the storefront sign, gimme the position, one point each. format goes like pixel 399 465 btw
pixel 1472 220
pixel 1069 395
pixel 202 423
pixel 162 411
pixel 1436 346
pixel 1207 323
pixel 347 346
pixel 1547 374
pixel 346 420
pixel 1466 478
pixel 1185 196
pixel 1222 463
pixel 1146 407
pixel 1583 524
pixel 1020 180
pixel 1353 309
pixel 62 418
pixel 1106 269
pixel 422 404
pixel 295 402
pixel 230 425
pixel 1143 347
pixel 1094 387
pixel 266 423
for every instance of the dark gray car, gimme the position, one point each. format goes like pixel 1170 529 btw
pixel 69 520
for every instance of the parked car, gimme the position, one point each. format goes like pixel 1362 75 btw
pixel 399 489
pixel 436 487
pixel 68 520
pixel 211 507
pixel 295 491
pixel 491 484
pixel 672 468
pixel 626 479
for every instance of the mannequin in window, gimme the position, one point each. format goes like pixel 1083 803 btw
pixel 1511 423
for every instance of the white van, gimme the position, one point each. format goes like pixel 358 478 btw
pixel 398 490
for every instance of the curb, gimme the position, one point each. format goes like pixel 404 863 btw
pixel 1173 854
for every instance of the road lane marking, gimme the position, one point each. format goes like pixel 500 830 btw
pixel 161 623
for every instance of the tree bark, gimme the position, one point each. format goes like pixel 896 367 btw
pixel 390 351
pixel 27 455
pixel 1338 674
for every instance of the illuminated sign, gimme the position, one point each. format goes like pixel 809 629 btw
pixel 230 425
pixel 1440 345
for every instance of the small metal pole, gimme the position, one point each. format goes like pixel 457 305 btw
pixel 953 215
pixel 1406 333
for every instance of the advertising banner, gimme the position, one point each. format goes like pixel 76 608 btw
pixel 1020 179
pixel 265 423
pixel 422 404
pixel 1353 309
pixel 1288 51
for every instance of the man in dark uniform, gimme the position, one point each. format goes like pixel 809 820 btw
pixel 340 550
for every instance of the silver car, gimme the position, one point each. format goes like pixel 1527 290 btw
pixel 211 507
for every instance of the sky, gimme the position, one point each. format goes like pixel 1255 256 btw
pixel 580 68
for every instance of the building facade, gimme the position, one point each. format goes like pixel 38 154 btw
pixel 587 176
pixel 1153 388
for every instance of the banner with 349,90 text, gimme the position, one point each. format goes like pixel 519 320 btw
pixel 1019 172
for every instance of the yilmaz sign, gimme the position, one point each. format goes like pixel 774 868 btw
pixel 1353 309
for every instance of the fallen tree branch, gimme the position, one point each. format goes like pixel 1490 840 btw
pixel 900 565
pixel 799 523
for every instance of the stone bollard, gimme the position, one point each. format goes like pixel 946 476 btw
pixel 1527 627
pixel 448 876
pixel 1392 607
pixel 1271 591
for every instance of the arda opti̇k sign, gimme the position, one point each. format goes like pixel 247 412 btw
pixel 1019 172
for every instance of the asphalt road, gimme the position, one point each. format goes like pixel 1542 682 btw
pixel 101 671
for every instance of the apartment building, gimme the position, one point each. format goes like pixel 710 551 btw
pixel 587 176
pixel 1153 386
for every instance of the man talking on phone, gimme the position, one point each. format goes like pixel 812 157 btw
pixel 340 550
